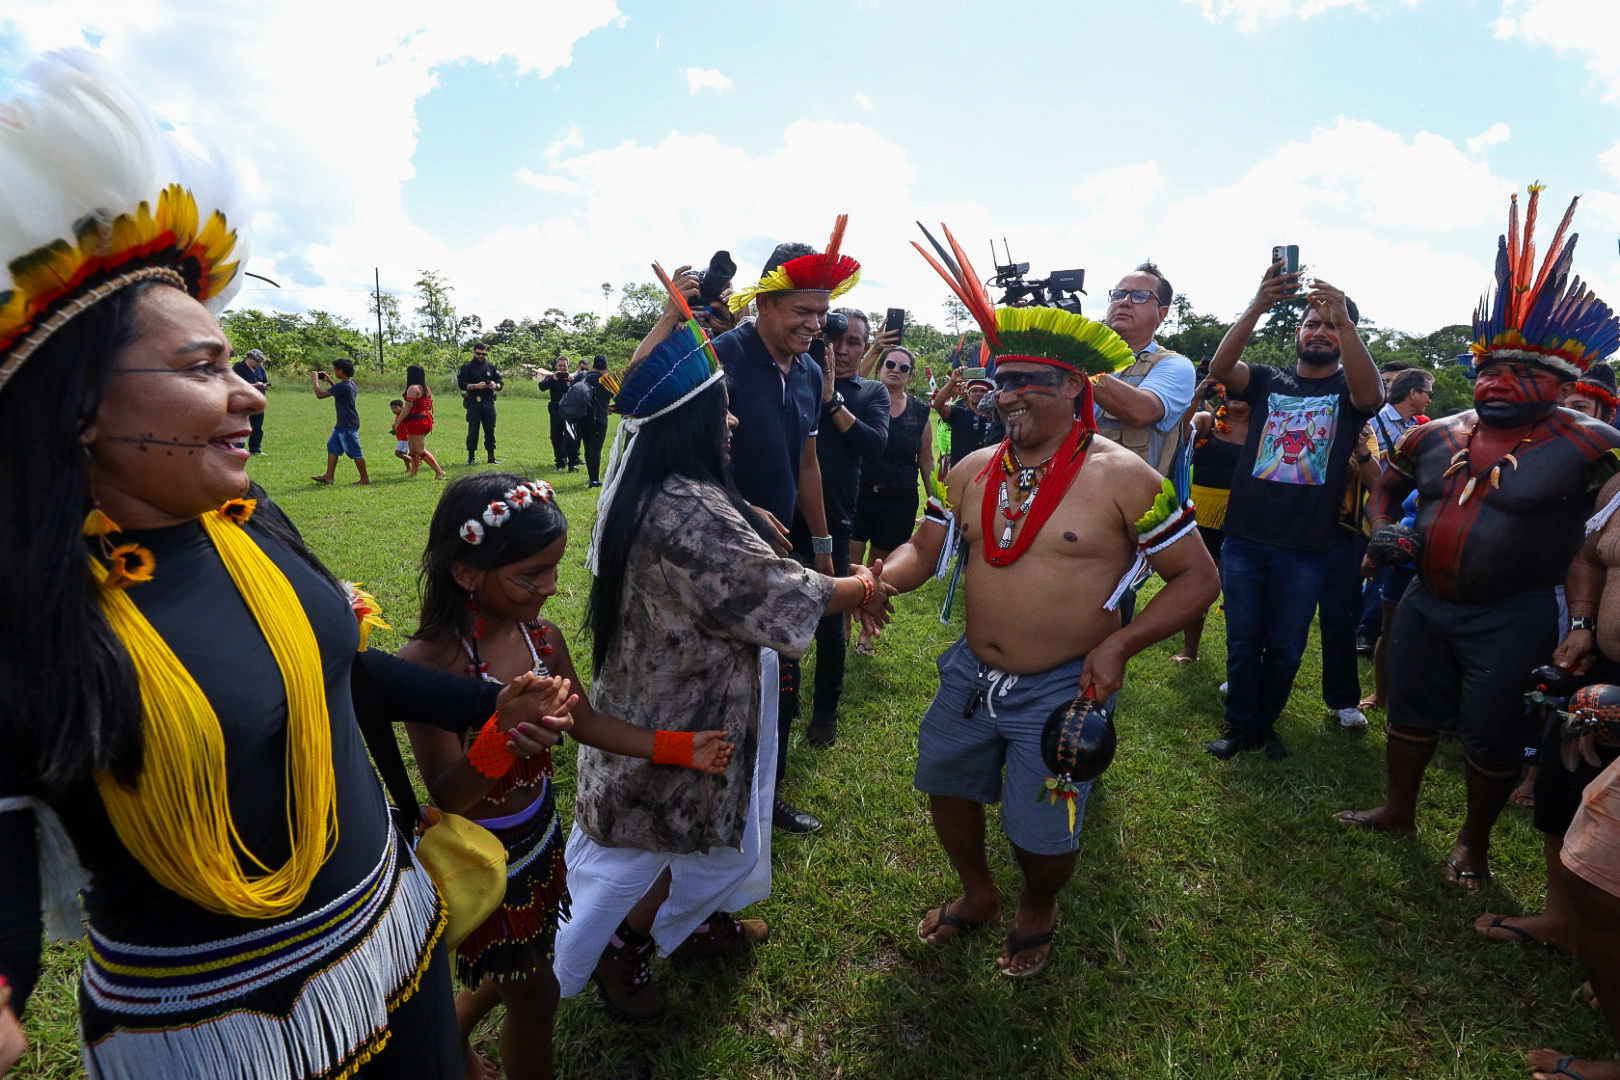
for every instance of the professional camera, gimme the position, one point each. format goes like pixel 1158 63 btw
pixel 716 279
pixel 1057 289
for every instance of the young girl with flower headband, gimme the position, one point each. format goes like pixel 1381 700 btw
pixel 491 561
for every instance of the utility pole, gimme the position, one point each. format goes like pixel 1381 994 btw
pixel 377 274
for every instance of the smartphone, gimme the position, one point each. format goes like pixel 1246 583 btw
pixel 1288 255
pixel 818 350
pixel 973 373
pixel 895 322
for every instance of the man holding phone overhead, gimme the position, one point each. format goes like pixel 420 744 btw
pixel 1145 408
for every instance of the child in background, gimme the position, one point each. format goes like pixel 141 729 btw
pixel 345 439
pixel 491 561
pixel 402 446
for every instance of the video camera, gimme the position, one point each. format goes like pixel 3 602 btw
pixel 1057 289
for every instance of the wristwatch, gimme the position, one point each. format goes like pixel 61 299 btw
pixel 1582 622
pixel 821 545
pixel 833 406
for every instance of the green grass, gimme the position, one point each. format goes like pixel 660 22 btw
pixel 1220 924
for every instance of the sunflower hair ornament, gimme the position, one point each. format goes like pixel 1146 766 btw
pixel 831 272
pixel 1541 316
pixel 97 198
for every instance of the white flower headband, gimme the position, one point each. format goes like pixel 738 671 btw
pixel 500 511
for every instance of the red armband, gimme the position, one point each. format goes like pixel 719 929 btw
pixel 672 748
pixel 488 753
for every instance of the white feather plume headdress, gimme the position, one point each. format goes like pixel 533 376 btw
pixel 97 196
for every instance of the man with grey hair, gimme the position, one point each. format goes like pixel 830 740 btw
pixel 251 370
pixel 1145 407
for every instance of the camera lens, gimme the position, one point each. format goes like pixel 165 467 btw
pixel 836 325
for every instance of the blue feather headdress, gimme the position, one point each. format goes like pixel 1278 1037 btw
pixel 673 372
pixel 1543 317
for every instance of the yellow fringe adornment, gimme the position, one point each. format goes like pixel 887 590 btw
pixel 177 820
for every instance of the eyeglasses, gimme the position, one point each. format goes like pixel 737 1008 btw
pixel 1137 296
pixel 1010 382
pixel 897 366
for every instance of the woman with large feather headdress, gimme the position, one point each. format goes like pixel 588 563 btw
pixel 178 736
pixel 689 607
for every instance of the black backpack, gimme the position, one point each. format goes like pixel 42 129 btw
pixel 576 403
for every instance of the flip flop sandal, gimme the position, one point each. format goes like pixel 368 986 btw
pixel 1466 879
pixel 1499 922
pixel 1357 820
pixel 955 922
pixel 1016 945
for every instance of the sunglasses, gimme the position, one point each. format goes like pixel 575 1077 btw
pixel 1010 382
pixel 897 366
pixel 1137 296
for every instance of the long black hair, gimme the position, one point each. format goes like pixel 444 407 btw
pixel 415 376
pixel 689 442
pixel 70 701
pixel 528 531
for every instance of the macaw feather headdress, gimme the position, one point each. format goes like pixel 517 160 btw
pixel 673 372
pixel 1041 335
pixel 96 198
pixel 1541 317
pixel 830 272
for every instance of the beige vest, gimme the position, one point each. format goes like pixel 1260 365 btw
pixel 1157 448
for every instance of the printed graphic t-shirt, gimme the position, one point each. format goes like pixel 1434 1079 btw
pixel 1290 476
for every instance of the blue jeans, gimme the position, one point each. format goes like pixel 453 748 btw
pixel 1340 603
pixel 1271 594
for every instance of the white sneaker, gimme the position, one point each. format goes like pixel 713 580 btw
pixel 1223 689
pixel 1351 717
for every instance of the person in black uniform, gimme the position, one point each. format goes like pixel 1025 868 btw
pixel 479 383
pixel 593 429
pixel 564 443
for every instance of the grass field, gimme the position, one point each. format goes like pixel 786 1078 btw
pixel 1220 923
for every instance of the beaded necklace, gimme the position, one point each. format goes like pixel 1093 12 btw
pixel 1028 479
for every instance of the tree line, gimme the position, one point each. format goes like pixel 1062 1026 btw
pixel 439 337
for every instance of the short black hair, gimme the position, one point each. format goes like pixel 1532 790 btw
pixel 1406 382
pixel 1163 292
pixel 1389 367
pixel 785 253
pixel 345 365
pixel 600 363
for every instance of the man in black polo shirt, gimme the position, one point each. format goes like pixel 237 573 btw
pixel 776 395
pixel 971 428
pixel 250 369
pixel 479 383
pixel 854 427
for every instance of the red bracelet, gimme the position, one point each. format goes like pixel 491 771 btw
pixel 488 753
pixel 870 585
pixel 672 748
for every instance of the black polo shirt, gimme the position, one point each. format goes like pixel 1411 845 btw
pixel 775 414
pixel 840 453
pixel 971 431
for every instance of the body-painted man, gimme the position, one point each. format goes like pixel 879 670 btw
pixel 1504 491
pixel 1052 511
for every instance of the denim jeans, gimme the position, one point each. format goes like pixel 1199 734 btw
pixel 1271 593
pixel 1339 606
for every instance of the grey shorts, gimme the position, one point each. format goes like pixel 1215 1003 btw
pixel 981 740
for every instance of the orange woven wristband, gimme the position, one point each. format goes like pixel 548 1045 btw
pixel 672 748
pixel 488 753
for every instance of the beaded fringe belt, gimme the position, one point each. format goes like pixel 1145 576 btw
pixel 307 997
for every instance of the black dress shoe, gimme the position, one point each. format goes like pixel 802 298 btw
pixel 1275 748
pixel 1228 747
pixel 823 729
pixel 1365 644
pixel 790 819
pixel 594 483
pixel 493 460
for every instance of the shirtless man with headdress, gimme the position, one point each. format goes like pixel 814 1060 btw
pixel 1504 492
pixel 1052 511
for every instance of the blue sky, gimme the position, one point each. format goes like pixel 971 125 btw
pixel 531 152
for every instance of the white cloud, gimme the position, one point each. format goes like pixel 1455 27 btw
pixel 705 79
pixel 1249 14
pixel 322 124
pixel 570 139
pixel 558 185
pixel 1610 159
pixel 1114 200
pixel 863 101
pixel 1491 136
pixel 1588 28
